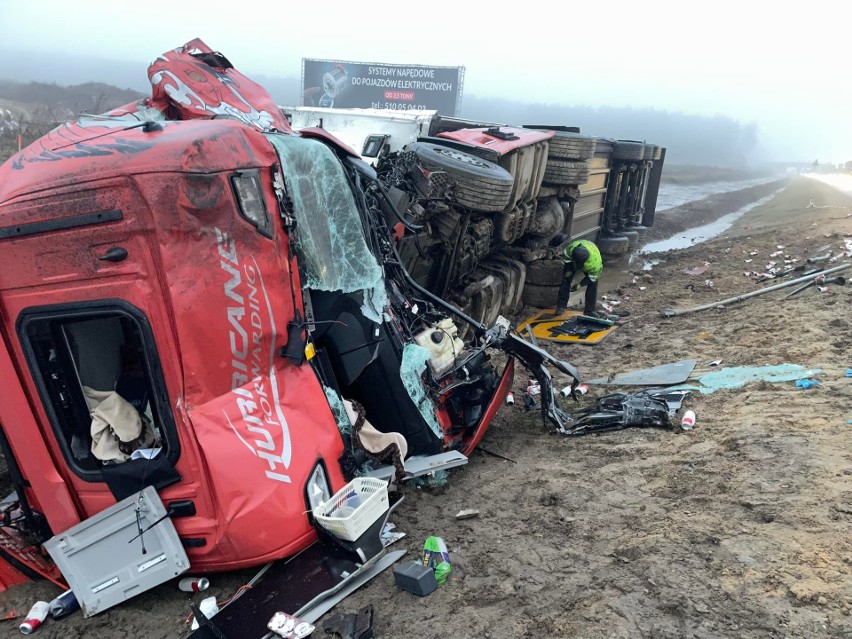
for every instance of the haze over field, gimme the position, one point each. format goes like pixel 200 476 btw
pixel 769 83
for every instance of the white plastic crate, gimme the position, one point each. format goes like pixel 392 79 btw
pixel 371 496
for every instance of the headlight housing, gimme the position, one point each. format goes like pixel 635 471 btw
pixel 249 195
pixel 317 490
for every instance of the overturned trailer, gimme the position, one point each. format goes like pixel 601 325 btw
pixel 487 208
pixel 233 292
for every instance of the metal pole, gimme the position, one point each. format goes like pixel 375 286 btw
pixel 673 312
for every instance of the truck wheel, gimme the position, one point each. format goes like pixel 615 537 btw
pixel 632 238
pixel 566 172
pixel 630 151
pixel 649 152
pixel 658 152
pixel 479 184
pixel 545 273
pixel 571 146
pixel 614 245
pixel 540 296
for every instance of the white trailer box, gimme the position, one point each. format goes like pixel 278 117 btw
pixel 370 132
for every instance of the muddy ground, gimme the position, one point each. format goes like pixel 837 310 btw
pixel 739 528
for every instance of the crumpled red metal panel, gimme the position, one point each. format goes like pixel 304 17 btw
pixel 481 137
pixel 185 87
pixel 260 422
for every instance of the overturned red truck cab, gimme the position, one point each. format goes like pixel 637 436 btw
pixel 192 271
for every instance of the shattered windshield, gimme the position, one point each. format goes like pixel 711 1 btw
pixel 329 237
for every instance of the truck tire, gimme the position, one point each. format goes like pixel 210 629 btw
pixel 540 296
pixel 613 245
pixel 545 273
pixel 632 238
pixel 630 151
pixel 479 184
pixel 649 152
pixel 566 172
pixel 571 146
pixel 658 152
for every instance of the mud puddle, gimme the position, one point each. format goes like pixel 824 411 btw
pixel 674 195
pixel 702 233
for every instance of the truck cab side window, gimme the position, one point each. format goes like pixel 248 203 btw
pixel 99 387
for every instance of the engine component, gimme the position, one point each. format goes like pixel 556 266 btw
pixel 548 220
pixel 443 343
pixel 475 245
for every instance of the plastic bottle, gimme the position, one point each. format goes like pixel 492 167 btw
pixel 63 605
pixel 687 422
pixel 35 617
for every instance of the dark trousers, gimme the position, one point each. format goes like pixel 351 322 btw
pixel 565 291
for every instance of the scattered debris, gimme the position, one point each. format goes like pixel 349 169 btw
pixel 620 410
pixel 581 389
pixel 673 312
pixel 35 617
pixel 497 455
pixel 806 383
pixel 436 556
pixel 352 510
pixel 415 578
pixel 847 372
pixel 289 627
pixel 687 422
pixel 64 605
pixel 663 375
pixel 194 584
pixel 737 377
pixel 467 513
pixel 715 362
pixel 510 399
pixel 698 270
pixel 351 625
pixel 389 537
pixel 208 607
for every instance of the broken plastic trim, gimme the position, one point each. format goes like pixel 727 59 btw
pixel 620 410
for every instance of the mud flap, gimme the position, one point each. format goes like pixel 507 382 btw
pixel 306 586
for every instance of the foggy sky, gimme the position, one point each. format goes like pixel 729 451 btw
pixel 782 68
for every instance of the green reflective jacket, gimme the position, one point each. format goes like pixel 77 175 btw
pixel 594 265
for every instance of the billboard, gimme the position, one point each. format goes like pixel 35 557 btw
pixel 365 85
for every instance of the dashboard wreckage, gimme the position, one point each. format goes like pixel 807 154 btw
pixel 224 320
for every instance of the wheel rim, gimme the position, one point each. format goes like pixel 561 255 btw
pixel 462 157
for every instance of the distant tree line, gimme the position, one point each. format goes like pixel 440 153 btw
pixel 35 108
pixel 689 139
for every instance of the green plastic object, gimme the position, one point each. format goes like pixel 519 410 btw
pixel 436 556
